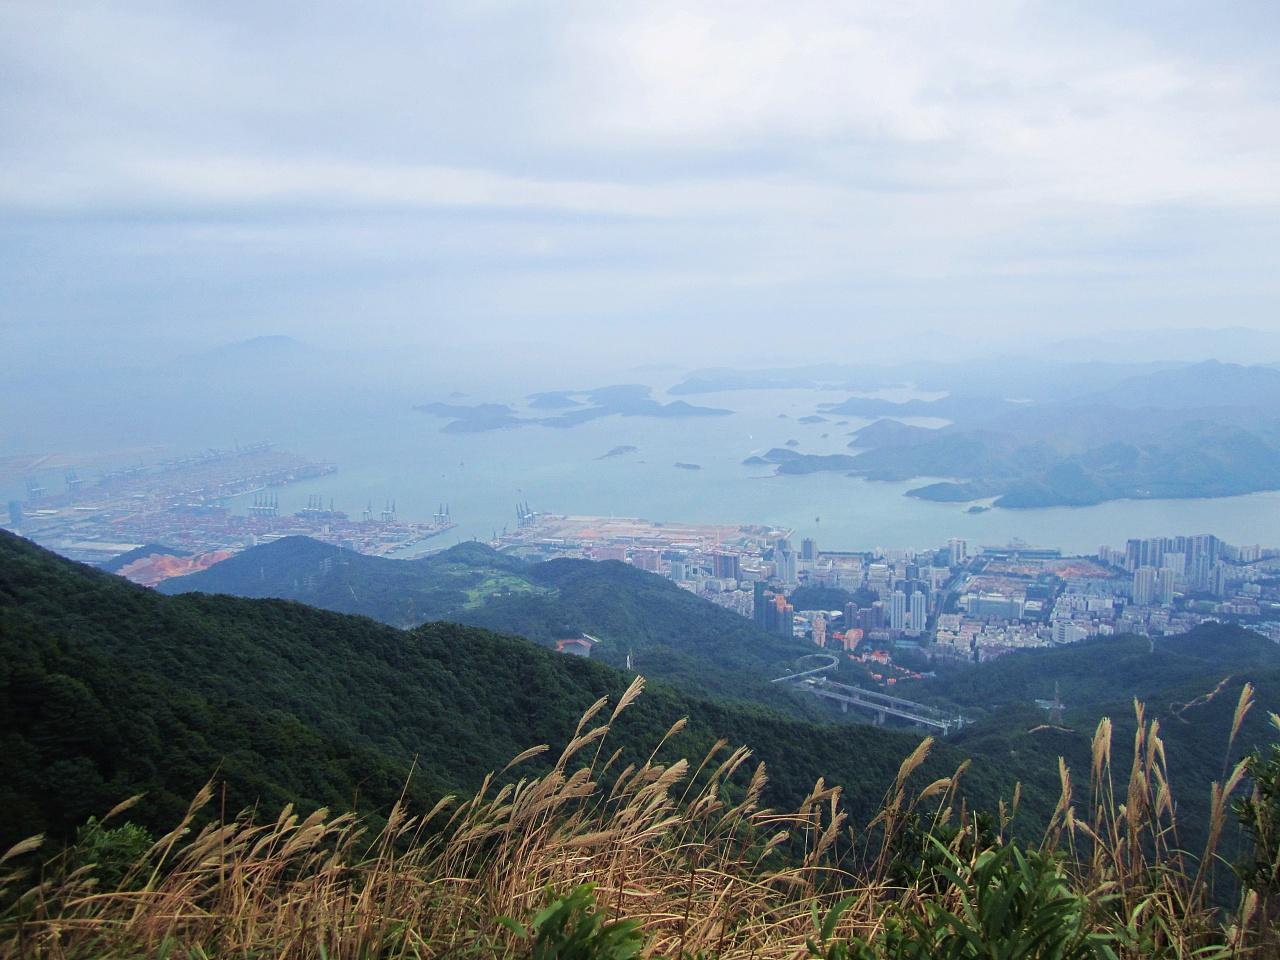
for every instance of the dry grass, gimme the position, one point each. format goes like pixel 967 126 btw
pixel 686 850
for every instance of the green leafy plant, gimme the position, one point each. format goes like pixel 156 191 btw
pixel 112 855
pixel 1258 813
pixel 1006 905
pixel 571 928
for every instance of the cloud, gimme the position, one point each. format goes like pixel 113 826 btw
pixel 916 161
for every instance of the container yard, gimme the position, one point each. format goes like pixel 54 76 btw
pixel 187 504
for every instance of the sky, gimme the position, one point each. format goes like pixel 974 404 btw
pixel 651 182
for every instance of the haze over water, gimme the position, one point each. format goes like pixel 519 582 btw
pixel 402 454
pixel 493 194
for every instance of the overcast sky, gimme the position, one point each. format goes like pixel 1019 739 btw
pixel 739 181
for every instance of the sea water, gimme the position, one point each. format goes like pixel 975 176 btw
pixel 390 452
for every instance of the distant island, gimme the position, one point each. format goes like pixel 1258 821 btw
pixel 618 452
pixel 553 400
pixel 792 462
pixel 473 418
pixel 580 406
pixel 688 466
pixel 1203 430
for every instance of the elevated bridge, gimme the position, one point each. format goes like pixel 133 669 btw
pixel 831 664
pixel 880 705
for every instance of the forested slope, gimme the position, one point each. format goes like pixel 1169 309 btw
pixel 107 689
pixel 669 633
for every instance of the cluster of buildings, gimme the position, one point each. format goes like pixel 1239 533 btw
pixel 188 505
pixel 952 602
pixel 1169 584
pixel 716 561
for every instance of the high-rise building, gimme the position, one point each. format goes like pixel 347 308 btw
pixel 898 611
pixel 850 615
pixel 1204 545
pixel 1200 572
pixel 872 617
pixel 771 611
pixel 784 618
pixel 1144 585
pixel 1218 579
pixel 15 514
pixel 677 570
pixel 726 566
pixel 957 551
pixel 1152 551
pixel 785 564
pixel 820 630
pixel 919 615
pixel 1166 581
pixel 808 549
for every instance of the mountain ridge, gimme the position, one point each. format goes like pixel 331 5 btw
pixel 668 633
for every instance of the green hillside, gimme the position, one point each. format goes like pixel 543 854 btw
pixel 1189 683
pixel 108 689
pixel 403 593
pixel 669 633
pixel 1103 670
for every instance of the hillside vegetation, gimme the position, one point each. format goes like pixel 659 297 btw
pixel 671 857
pixel 330 746
pixel 669 633
pixel 107 689
pixel 693 644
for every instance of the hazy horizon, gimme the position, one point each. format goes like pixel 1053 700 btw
pixel 228 223
pixel 697 183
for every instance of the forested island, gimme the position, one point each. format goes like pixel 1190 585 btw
pixel 1205 430
pixel 579 407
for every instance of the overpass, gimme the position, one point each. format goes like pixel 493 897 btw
pixel 880 705
pixel 831 664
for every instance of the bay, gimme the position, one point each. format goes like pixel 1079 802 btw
pixel 393 453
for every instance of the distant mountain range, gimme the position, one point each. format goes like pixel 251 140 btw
pixel 1206 386
pixel 1203 430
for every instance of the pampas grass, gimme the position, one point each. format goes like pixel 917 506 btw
pixel 686 850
